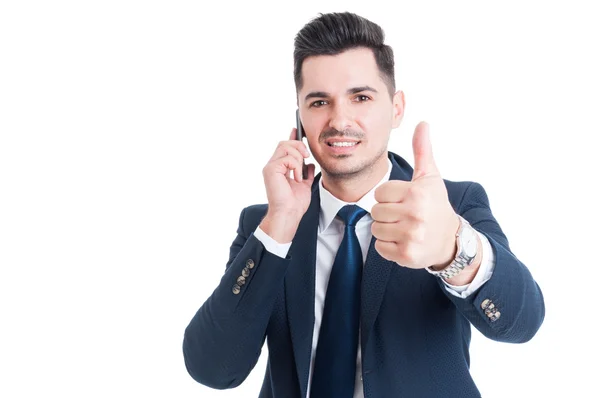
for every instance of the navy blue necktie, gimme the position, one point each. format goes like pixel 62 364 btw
pixel 335 360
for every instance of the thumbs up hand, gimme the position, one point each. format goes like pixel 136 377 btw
pixel 414 222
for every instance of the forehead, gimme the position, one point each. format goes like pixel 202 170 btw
pixel 331 73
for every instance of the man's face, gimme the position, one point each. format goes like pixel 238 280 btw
pixel 344 99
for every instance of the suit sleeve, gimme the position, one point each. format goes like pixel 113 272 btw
pixel 509 307
pixel 224 339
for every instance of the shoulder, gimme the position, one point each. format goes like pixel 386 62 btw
pixel 456 189
pixel 464 192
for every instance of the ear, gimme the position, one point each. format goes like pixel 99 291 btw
pixel 398 107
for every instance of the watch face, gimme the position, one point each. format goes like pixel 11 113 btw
pixel 469 240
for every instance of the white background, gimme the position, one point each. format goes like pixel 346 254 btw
pixel 134 132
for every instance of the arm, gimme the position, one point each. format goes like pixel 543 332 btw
pixel 223 341
pixel 511 288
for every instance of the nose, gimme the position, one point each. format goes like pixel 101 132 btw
pixel 341 117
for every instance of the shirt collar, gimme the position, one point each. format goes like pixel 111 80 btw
pixel 330 205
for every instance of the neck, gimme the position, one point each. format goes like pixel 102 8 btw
pixel 352 189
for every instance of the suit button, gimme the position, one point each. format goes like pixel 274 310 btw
pixel 485 303
pixel 236 289
pixel 245 272
pixel 241 280
pixel 250 263
pixel 495 317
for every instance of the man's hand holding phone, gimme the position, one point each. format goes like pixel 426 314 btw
pixel 288 197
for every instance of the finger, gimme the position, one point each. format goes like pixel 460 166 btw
pixel 387 232
pixel 286 164
pixel 385 249
pixel 393 191
pixel 388 212
pixel 405 215
pixel 296 167
pixel 298 173
pixel 285 150
pixel 423 152
pixel 400 232
pixel 298 145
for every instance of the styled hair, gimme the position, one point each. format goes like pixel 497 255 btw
pixel 334 33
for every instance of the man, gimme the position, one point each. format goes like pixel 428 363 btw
pixel 366 278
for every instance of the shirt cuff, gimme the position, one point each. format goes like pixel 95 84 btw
pixel 483 275
pixel 272 246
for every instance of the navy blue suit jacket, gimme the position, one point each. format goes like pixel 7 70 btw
pixel 414 334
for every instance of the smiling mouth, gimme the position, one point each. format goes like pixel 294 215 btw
pixel 343 144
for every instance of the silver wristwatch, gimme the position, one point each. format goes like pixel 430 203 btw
pixel 467 245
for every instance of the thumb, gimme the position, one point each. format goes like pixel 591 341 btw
pixel 423 153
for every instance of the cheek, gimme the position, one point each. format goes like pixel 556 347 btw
pixel 314 126
pixel 376 124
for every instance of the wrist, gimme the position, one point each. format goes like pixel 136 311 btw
pixel 450 248
pixel 281 226
pixel 467 252
pixel 467 275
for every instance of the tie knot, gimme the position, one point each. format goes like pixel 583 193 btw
pixel 350 214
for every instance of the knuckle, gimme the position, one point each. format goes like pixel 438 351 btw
pixel 382 212
pixel 392 211
pixel 417 193
pixel 378 193
pixel 375 212
pixel 413 191
pixel 291 161
pixel 417 235
pixel 382 191
pixel 381 249
pixel 418 214
pixel 375 228
pixel 409 254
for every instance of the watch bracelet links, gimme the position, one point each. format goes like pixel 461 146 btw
pixel 457 265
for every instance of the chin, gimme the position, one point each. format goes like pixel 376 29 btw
pixel 343 170
pixel 349 166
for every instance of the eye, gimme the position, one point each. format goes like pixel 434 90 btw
pixel 362 98
pixel 318 103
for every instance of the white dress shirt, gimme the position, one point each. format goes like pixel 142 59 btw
pixel 329 238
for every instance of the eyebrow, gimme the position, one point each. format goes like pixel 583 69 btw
pixel 350 91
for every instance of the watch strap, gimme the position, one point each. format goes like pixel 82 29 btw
pixel 460 260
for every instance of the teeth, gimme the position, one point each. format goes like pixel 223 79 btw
pixel 343 143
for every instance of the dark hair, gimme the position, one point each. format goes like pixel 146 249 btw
pixel 334 33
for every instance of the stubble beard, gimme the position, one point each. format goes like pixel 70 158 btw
pixel 358 171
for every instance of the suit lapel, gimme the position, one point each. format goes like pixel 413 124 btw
pixel 377 270
pixel 300 279
pixel 376 273
pixel 300 288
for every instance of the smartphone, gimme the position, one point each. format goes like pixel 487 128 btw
pixel 299 135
